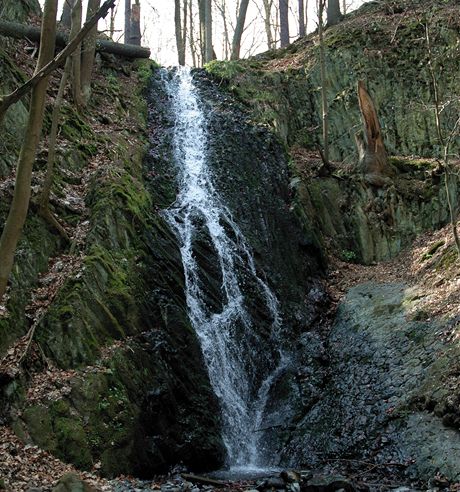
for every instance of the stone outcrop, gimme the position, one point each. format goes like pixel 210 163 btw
pixel 382 364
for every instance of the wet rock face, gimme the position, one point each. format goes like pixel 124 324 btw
pixel 379 362
pixel 365 224
pixel 250 173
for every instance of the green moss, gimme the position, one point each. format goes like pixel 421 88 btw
pixel 432 250
pixel 408 164
pixel 72 442
pixel 39 425
pixel 144 69
pixel 448 258
pixel 224 70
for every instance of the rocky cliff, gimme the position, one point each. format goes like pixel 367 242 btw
pixel 114 377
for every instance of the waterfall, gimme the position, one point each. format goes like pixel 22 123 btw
pixel 242 364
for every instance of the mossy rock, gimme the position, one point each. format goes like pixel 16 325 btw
pixel 40 426
pixel 72 443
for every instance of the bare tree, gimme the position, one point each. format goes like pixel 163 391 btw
pixel 180 35
pixel 10 99
pixel 76 56
pixel 445 141
pixel 302 27
pixel 127 21
pixel 88 52
pixel 135 35
pixel 209 50
pixel 322 64
pixel 38 84
pixel 66 17
pixel 20 204
pixel 284 22
pixel 221 6
pixel 44 209
pixel 192 40
pixel 265 11
pixel 236 43
pixel 334 16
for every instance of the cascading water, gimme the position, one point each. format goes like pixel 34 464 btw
pixel 242 364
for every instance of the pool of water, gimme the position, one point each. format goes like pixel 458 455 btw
pixel 244 473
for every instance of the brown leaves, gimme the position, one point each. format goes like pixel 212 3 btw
pixel 23 466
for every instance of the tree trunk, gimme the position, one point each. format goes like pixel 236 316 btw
pixel 322 63
pixel 284 22
pixel 334 15
pixel 21 31
pixel 267 22
pixel 127 21
pixel 373 159
pixel 16 95
pixel 135 29
pixel 66 17
pixel 20 204
pixel 178 28
pixel 208 31
pixel 184 27
pixel 76 57
pixel 236 43
pixel 45 212
pixel 302 29
pixel 88 52
pixel 191 31
pixel 202 16
pixel 112 23
pixel 226 45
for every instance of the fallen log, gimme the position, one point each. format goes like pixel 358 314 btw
pixel 21 31
pixel 203 480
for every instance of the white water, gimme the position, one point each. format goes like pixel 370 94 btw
pixel 241 365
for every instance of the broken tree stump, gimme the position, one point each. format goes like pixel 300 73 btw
pixel 373 159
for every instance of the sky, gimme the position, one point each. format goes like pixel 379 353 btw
pixel 158 26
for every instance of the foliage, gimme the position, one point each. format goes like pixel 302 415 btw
pixel 348 256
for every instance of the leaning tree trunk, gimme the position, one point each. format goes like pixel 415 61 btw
pixel 373 160
pixel 88 52
pixel 44 209
pixel 284 22
pixel 22 189
pixel 238 34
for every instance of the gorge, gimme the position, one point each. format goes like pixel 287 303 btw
pixel 224 304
